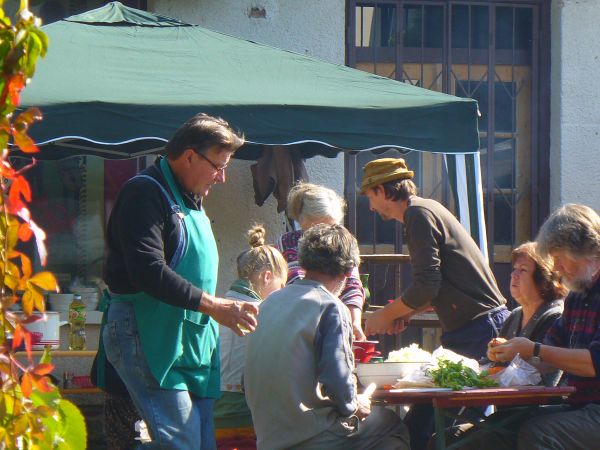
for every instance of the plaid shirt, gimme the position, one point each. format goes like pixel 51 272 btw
pixel 579 328
pixel 353 293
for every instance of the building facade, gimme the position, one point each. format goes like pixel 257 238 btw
pixel 530 64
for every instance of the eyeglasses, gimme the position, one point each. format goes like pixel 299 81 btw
pixel 217 168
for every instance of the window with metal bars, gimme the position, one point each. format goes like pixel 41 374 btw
pixel 493 51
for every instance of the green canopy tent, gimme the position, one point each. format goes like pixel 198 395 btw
pixel 117 82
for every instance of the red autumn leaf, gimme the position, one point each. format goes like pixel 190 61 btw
pixel 43 385
pixel 27 337
pixel 43 369
pixel 23 187
pixel 25 232
pixel 17 337
pixel 16 83
pixel 20 335
pixel 26 384
pixel 6 170
pixel 18 189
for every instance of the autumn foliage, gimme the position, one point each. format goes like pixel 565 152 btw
pixel 32 413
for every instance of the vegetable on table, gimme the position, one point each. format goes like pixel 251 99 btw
pixel 456 376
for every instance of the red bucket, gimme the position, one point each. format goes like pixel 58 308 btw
pixel 364 350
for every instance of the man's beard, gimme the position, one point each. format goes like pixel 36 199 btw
pixel 583 280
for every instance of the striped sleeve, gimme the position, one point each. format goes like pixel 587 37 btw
pixel 353 293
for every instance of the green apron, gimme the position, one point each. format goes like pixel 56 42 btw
pixel 182 346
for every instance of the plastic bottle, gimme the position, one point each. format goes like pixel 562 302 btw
pixel 77 314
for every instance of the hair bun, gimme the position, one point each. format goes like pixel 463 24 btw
pixel 256 236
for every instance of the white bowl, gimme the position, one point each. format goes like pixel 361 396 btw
pixel 60 302
pixel 84 290
pixel 385 373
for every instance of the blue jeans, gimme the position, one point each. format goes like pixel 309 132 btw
pixel 175 419
pixel 470 341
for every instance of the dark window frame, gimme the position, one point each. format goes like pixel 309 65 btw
pixel 540 63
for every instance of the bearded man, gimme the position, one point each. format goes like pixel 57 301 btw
pixel 571 236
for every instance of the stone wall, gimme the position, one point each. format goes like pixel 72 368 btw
pixel 575 115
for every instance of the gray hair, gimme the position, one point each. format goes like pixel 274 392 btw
pixel 308 201
pixel 328 249
pixel 572 228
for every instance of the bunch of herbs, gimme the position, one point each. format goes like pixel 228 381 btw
pixel 456 376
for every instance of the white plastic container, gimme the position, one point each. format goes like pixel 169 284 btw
pixel 46 330
pixel 385 373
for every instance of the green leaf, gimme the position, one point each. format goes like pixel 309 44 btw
pixel 43 37
pixel 71 428
pixel 46 356
pixel 52 399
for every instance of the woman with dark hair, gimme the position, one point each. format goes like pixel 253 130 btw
pixel 537 289
pixel 539 292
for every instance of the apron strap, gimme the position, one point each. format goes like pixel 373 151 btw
pixel 175 209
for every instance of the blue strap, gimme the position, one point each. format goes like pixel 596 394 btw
pixel 175 209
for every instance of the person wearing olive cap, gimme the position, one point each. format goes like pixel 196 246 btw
pixel 450 273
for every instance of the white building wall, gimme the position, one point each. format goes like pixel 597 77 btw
pixel 311 27
pixel 575 104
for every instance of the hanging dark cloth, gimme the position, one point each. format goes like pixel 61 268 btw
pixel 275 172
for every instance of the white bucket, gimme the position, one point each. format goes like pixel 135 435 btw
pixel 46 330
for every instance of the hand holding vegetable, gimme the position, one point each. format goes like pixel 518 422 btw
pixel 507 351
pixel 493 343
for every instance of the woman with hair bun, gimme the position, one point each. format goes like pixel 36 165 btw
pixel 261 270
pixel 310 205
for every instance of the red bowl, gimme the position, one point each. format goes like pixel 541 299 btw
pixel 364 350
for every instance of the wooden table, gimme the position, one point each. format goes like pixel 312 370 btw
pixel 444 402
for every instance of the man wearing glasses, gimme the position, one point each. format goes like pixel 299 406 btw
pixel 161 333
pixel 571 236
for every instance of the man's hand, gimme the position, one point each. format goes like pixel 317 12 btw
pixel 494 343
pixel 401 323
pixel 380 322
pixel 237 315
pixel 507 351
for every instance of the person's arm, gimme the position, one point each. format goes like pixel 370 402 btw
pixel 138 230
pixel 574 361
pixel 333 348
pixel 391 319
pixel 238 315
pixel 422 237
pixel 356 319
pixel 353 296
pixel 140 225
